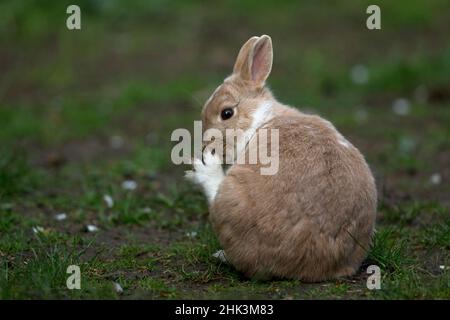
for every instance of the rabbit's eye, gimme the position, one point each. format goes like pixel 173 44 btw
pixel 226 113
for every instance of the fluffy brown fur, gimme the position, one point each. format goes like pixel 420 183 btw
pixel 314 219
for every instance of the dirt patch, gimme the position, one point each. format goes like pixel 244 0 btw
pixel 77 151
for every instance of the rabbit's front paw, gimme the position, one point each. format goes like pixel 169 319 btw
pixel 208 173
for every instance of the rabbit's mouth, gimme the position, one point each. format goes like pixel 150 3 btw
pixel 225 152
pixel 212 150
pixel 230 147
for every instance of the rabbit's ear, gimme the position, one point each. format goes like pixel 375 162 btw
pixel 254 61
pixel 262 60
pixel 242 64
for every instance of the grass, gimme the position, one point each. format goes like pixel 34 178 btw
pixel 82 112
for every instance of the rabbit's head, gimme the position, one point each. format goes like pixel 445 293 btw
pixel 242 101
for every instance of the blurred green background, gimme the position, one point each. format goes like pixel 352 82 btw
pixel 83 111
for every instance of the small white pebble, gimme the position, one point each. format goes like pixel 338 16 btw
pixel 436 178
pixel 38 229
pixel 109 200
pixel 220 255
pixel 91 228
pixel 118 288
pixel 359 74
pixel 191 234
pixel 61 216
pixel 129 185
pixel 442 267
pixel 401 106
pixel 116 142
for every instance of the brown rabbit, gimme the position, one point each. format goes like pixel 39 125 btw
pixel 314 219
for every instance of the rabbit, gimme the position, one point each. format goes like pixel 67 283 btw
pixel 314 219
